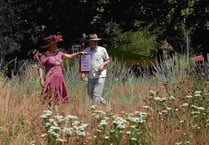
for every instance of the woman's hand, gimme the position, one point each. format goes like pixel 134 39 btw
pixel 40 69
pixel 71 56
pixel 83 53
pixel 42 83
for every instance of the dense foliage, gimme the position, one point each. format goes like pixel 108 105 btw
pixel 23 22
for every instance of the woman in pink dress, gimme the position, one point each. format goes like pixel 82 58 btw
pixel 53 84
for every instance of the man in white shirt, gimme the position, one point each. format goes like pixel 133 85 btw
pixel 98 72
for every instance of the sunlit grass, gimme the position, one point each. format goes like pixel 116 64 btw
pixel 154 109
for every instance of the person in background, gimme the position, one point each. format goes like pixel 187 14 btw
pixel 97 75
pixel 53 84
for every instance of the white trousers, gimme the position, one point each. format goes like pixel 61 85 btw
pixel 95 89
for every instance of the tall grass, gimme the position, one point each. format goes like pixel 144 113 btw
pixel 168 107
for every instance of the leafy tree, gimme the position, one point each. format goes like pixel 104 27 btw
pixel 140 42
pixel 18 30
pixel 24 22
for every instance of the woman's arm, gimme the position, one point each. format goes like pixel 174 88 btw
pixel 71 56
pixel 40 70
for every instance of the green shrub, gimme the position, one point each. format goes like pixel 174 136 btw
pixel 139 42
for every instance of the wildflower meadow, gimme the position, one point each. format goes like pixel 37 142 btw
pixel 169 106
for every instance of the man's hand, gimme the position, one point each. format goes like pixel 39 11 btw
pixel 83 77
pixel 101 67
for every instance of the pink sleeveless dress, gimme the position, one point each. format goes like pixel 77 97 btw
pixel 53 76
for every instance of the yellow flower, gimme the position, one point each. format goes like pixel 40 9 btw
pixel 127 123
pixel 146 117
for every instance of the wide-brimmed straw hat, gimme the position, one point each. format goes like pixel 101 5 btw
pixel 52 39
pixel 94 37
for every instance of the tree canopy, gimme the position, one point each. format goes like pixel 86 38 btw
pixel 24 22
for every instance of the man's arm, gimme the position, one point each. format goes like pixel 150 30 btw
pixel 101 67
pixel 83 76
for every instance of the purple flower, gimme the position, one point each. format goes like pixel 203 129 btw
pixel 166 114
